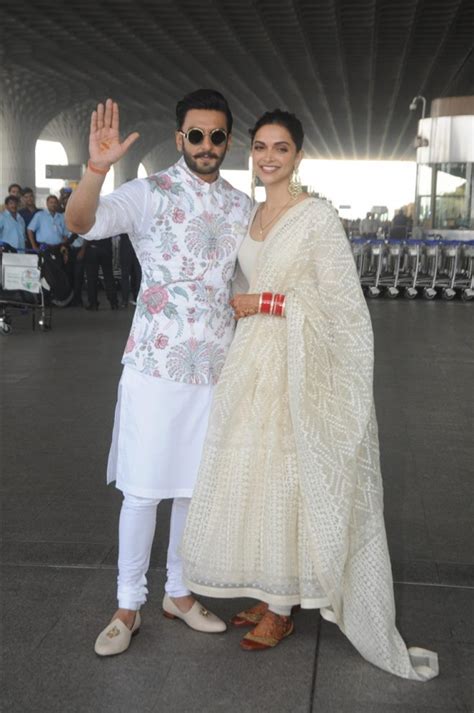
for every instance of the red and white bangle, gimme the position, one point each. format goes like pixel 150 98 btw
pixel 278 305
pixel 270 303
pixel 265 303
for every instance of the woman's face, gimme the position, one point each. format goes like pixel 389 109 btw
pixel 274 154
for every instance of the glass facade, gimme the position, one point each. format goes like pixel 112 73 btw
pixel 445 192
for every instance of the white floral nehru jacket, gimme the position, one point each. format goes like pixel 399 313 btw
pixel 186 233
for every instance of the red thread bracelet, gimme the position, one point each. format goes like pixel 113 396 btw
pixel 94 169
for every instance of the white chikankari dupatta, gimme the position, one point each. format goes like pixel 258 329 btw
pixel 309 377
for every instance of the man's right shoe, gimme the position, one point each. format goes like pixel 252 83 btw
pixel 116 637
pixel 197 618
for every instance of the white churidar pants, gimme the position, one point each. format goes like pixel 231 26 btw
pixel 157 441
pixel 136 532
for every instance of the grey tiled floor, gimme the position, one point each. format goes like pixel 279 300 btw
pixel 59 538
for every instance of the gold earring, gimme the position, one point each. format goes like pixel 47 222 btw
pixel 294 187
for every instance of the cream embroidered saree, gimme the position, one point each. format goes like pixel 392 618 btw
pixel 288 507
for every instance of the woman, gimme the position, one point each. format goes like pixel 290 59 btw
pixel 288 505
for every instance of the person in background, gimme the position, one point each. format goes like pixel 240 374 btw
pixel 98 253
pixel 48 226
pixel 75 267
pixel 74 259
pixel 399 228
pixel 12 225
pixel 367 226
pixel 14 189
pixel 29 203
pixel 64 195
pixel 131 273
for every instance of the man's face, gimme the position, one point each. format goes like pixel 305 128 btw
pixel 12 206
pixel 52 205
pixel 15 191
pixel 29 200
pixel 204 158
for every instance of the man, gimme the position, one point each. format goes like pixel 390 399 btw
pixel 12 225
pixel 48 226
pixel 64 195
pixel 399 227
pixel 14 189
pixel 29 203
pixel 186 224
pixel 98 253
pixel 75 267
pixel 368 226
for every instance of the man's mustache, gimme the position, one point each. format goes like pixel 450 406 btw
pixel 206 154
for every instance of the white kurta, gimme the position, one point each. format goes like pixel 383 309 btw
pixel 158 435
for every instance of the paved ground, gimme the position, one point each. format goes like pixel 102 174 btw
pixel 59 538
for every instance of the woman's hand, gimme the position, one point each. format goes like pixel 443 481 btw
pixel 245 305
pixel 105 147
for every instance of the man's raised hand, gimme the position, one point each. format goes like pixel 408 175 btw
pixel 105 147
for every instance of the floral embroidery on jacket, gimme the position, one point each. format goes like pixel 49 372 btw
pixel 183 324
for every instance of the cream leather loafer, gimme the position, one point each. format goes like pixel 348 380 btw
pixel 116 637
pixel 197 617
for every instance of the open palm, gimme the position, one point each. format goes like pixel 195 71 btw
pixel 105 147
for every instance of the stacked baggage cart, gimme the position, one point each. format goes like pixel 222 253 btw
pixel 428 267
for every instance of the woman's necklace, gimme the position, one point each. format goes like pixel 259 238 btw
pixel 264 227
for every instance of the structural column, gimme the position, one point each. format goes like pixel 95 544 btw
pixel 71 128
pixel 17 150
pixel 127 168
pixel 161 156
pixel 26 106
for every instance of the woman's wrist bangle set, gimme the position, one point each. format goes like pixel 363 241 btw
pixel 270 303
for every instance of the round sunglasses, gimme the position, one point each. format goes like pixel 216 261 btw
pixel 196 136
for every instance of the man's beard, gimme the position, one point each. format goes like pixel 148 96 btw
pixel 195 167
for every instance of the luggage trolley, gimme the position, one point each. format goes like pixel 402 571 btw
pixel 411 268
pixel 391 277
pixel 449 277
pixel 467 267
pixel 430 265
pixel 359 252
pixel 373 279
pixel 21 288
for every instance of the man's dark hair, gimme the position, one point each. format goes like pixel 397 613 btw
pixel 10 199
pixel 52 196
pixel 203 99
pixel 281 118
pixel 13 185
pixel 27 190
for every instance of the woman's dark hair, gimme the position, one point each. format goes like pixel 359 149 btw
pixel 282 118
pixel 203 99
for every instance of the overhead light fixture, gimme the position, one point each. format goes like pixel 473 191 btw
pixel 414 105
